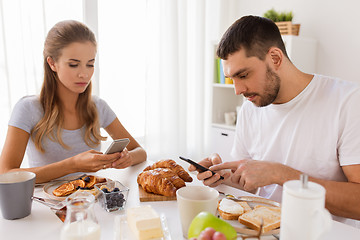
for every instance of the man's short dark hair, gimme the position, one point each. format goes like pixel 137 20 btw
pixel 254 34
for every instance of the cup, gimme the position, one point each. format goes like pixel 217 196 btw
pixel 230 118
pixel 303 213
pixel 16 191
pixel 192 200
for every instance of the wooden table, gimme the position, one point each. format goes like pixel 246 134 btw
pixel 42 223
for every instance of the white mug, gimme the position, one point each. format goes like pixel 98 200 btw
pixel 230 118
pixel 192 200
pixel 303 213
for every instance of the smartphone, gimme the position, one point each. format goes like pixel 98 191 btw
pixel 117 145
pixel 199 167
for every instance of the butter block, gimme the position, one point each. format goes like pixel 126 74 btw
pixel 145 222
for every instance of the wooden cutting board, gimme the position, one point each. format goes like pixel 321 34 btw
pixel 151 197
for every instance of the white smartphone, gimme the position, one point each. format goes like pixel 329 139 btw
pixel 117 146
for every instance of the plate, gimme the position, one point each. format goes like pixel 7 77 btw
pixel 253 201
pixel 51 186
pixel 123 231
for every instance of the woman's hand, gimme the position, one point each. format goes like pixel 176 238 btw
pixel 210 234
pixel 92 161
pixel 124 161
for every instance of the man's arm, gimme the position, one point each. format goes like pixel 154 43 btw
pixel 342 198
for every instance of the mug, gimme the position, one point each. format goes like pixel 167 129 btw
pixel 16 191
pixel 230 118
pixel 192 200
pixel 303 213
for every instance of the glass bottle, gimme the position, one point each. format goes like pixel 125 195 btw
pixel 80 222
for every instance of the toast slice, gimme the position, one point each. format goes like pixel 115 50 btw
pixel 269 215
pixel 231 210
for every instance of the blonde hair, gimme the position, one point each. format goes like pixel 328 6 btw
pixel 59 37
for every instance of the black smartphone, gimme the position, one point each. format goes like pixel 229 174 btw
pixel 199 167
pixel 117 145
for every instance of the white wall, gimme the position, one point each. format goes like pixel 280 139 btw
pixel 334 24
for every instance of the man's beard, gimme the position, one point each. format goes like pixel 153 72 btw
pixel 271 89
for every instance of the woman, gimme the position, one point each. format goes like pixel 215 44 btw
pixel 60 130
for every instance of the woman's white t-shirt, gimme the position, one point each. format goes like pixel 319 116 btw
pixel 317 132
pixel 26 114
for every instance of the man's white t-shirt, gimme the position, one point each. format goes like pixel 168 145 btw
pixel 27 113
pixel 317 132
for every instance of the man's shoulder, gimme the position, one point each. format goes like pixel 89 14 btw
pixel 336 82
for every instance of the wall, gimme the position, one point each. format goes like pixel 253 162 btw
pixel 334 24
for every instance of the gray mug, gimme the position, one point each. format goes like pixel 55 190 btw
pixel 16 191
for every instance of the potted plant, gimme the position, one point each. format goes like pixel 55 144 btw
pixel 284 22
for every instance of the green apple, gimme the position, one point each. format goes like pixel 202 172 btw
pixel 206 219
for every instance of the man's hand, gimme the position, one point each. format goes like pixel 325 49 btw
pixel 207 177
pixel 251 174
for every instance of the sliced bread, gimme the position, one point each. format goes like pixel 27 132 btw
pixel 231 210
pixel 269 215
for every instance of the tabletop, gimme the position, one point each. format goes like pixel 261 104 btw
pixel 42 223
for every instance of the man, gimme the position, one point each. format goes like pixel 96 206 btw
pixel 291 123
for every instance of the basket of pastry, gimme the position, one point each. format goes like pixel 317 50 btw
pixel 61 189
pixel 253 216
pixel 161 180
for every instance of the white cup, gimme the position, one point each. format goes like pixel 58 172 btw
pixel 16 191
pixel 192 200
pixel 303 213
pixel 230 118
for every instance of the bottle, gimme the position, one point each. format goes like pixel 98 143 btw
pixel 80 222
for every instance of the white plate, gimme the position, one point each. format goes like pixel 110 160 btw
pixel 123 231
pixel 253 201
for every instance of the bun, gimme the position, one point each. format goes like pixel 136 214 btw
pixel 270 216
pixel 161 181
pixel 171 164
pixel 231 210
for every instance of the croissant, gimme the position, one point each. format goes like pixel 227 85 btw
pixel 171 164
pixel 161 181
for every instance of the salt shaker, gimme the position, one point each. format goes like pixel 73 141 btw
pixel 80 222
pixel 303 213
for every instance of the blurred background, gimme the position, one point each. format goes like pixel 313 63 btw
pixel 155 62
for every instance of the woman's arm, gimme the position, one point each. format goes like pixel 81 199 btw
pixel 135 152
pixel 14 149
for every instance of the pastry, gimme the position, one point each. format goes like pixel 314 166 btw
pixel 84 184
pixel 171 164
pixel 161 181
pixel 64 189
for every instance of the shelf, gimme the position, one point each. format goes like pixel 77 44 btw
pixel 222 85
pixel 223 125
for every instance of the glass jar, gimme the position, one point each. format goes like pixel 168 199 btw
pixel 80 222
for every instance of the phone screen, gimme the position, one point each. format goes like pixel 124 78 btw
pixel 117 145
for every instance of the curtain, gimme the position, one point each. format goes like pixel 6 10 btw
pixel 156 64
pixel 23 27
pixel 179 74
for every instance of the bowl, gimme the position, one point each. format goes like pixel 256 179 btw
pixel 112 195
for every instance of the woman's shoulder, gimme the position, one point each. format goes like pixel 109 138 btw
pixel 29 102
